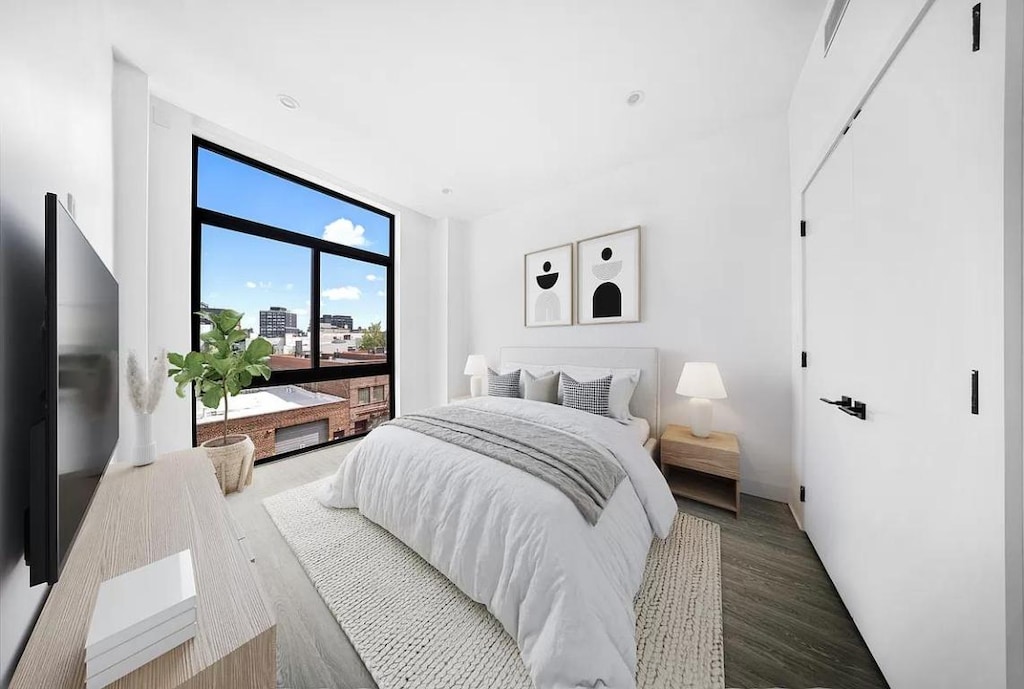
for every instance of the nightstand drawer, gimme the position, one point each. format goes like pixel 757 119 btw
pixel 703 459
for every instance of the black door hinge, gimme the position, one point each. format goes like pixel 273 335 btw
pixel 974 392
pixel 803 494
pixel 803 228
pixel 976 28
pixel 803 359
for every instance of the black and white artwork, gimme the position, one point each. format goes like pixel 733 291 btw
pixel 608 278
pixel 548 294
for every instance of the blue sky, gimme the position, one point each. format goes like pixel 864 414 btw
pixel 249 273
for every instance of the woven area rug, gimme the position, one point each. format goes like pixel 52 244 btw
pixel 414 629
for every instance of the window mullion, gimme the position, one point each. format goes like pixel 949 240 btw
pixel 314 309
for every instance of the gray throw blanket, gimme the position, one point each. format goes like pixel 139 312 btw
pixel 586 473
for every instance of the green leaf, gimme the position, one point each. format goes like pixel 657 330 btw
pixel 176 360
pixel 212 397
pixel 219 364
pixel 258 350
pixel 245 378
pixel 194 364
pixel 233 385
pixel 180 390
pixel 227 320
pixel 237 336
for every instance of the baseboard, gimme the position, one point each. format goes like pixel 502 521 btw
pixel 796 517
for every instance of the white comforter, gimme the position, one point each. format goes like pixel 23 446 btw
pixel 563 589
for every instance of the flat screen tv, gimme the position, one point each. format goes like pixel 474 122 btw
pixel 75 439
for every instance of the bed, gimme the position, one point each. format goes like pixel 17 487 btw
pixel 561 580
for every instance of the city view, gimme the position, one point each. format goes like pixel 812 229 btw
pixel 285 418
pixel 270 281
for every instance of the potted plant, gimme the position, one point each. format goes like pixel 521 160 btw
pixel 221 370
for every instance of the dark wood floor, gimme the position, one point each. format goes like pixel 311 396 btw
pixel 784 624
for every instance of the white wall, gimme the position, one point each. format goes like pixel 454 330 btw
pixel 715 279
pixel 420 301
pixel 131 207
pixel 55 136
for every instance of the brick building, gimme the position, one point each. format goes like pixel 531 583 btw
pixel 284 418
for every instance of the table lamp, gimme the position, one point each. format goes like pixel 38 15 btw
pixel 701 382
pixel 476 366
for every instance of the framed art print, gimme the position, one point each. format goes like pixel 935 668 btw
pixel 608 278
pixel 548 280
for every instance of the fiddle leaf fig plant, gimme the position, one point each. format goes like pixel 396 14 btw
pixel 222 368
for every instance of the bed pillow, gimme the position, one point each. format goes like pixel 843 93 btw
pixel 624 382
pixel 591 396
pixel 502 385
pixel 540 388
pixel 537 370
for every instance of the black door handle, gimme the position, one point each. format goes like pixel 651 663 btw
pixel 847 405
pixel 858 409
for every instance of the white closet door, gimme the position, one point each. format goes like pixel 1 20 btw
pixel 903 295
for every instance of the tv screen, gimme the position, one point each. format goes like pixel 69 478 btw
pixel 80 428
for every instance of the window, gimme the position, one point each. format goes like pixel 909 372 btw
pixel 312 270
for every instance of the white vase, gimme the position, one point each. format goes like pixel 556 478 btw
pixel 145 448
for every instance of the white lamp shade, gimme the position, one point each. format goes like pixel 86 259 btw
pixel 476 365
pixel 701 379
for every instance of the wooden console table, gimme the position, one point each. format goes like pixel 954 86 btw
pixel 139 515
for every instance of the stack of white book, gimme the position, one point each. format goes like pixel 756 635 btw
pixel 139 616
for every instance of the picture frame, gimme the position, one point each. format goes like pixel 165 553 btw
pixel 548 283
pixel 608 278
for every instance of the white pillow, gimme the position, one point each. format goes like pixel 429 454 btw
pixel 624 382
pixel 538 371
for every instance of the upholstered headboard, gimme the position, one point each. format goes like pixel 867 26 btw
pixel 645 402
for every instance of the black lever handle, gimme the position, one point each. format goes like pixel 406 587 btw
pixel 858 409
pixel 843 401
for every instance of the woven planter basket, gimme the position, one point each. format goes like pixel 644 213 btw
pixel 232 463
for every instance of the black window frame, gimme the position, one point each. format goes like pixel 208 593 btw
pixel 317 246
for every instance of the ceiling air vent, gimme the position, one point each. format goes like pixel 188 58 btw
pixel 835 15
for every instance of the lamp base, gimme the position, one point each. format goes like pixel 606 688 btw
pixel 700 417
pixel 476 386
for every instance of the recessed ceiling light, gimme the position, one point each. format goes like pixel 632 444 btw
pixel 446 191
pixel 287 101
pixel 635 98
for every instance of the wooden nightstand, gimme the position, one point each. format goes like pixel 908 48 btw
pixel 704 469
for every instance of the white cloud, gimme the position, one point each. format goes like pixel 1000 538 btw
pixel 301 312
pixel 349 293
pixel 289 286
pixel 262 285
pixel 372 277
pixel 251 284
pixel 380 293
pixel 343 231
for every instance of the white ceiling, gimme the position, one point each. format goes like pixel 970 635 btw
pixel 498 101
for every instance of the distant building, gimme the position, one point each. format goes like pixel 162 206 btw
pixel 278 321
pixel 338 321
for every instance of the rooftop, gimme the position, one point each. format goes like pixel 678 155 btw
pixel 265 401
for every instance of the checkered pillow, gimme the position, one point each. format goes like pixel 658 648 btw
pixel 502 385
pixel 591 396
